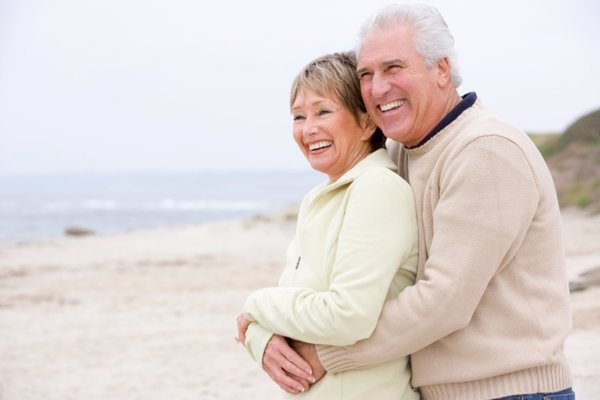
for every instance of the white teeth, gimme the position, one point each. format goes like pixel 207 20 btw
pixel 389 106
pixel 320 145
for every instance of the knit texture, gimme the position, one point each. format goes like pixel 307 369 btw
pixel 490 311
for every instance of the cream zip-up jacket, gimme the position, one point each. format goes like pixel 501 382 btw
pixel 355 247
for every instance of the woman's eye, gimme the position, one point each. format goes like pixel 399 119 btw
pixel 298 117
pixel 323 111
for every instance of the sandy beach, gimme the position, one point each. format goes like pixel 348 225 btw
pixel 150 314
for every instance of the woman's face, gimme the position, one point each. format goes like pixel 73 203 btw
pixel 328 134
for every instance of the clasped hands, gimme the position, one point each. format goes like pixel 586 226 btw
pixel 291 364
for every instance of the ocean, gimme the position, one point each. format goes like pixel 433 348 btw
pixel 42 207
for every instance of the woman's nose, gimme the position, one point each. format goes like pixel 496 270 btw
pixel 309 128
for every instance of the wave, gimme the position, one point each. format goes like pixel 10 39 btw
pixel 159 205
pixel 40 207
pixel 170 204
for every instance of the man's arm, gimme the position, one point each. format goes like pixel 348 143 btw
pixel 487 200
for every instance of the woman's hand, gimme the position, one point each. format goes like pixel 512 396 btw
pixel 242 327
pixel 285 367
pixel 308 352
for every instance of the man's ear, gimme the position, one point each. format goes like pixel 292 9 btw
pixel 443 70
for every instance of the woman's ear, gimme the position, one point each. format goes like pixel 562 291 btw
pixel 368 126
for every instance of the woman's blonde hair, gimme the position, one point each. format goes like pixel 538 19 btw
pixel 334 75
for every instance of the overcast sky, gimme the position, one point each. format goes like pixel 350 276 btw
pixel 175 85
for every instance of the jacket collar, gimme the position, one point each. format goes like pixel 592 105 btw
pixel 378 158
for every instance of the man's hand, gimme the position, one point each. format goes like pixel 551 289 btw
pixel 285 367
pixel 309 353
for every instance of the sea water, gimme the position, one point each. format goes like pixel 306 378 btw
pixel 42 207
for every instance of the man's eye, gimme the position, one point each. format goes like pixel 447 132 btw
pixel 364 76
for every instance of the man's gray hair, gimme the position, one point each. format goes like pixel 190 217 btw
pixel 432 38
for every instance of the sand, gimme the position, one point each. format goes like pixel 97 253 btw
pixel 150 314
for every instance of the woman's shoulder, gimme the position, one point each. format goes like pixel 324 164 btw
pixel 382 190
pixel 382 177
pixel 381 173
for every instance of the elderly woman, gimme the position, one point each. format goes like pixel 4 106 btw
pixel 356 238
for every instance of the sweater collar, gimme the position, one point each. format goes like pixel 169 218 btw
pixel 467 101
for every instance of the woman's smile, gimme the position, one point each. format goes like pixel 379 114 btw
pixel 314 147
pixel 328 134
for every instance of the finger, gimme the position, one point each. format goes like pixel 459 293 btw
pixel 288 359
pixel 301 376
pixel 273 361
pixel 241 335
pixel 305 384
pixel 296 365
pixel 242 331
pixel 289 390
pixel 242 327
pixel 239 320
pixel 285 381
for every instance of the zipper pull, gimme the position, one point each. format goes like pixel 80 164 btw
pixel 298 262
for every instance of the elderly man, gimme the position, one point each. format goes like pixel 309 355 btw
pixel 489 313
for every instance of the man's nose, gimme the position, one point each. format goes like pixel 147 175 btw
pixel 379 86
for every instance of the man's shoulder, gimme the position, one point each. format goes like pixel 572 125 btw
pixel 478 121
pixel 481 126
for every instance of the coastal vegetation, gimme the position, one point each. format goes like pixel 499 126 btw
pixel 574 161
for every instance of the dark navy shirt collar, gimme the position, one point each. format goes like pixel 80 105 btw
pixel 467 101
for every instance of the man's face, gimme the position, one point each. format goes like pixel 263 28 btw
pixel 402 95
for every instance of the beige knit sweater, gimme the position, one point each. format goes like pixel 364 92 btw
pixel 490 311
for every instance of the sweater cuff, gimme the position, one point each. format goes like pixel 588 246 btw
pixel 257 339
pixel 336 358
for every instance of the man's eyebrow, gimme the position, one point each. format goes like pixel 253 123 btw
pixel 395 61
pixel 387 63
